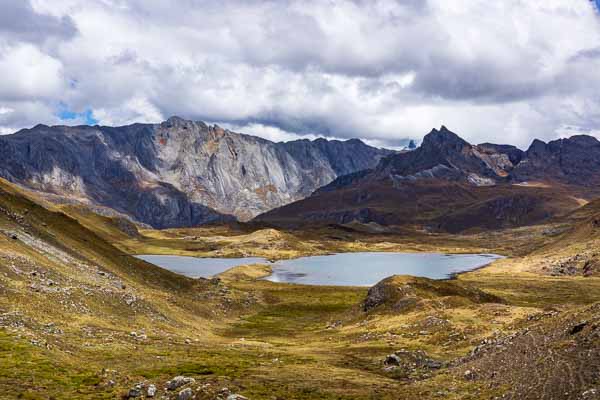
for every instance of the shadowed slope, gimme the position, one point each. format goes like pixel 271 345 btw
pixel 445 184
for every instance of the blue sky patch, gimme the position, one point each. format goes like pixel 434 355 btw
pixel 66 114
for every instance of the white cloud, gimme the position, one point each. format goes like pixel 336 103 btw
pixel 271 133
pixel 380 70
pixel 29 74
pixel 134 110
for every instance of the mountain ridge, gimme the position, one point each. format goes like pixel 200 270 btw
pixel 449 184
pixel 178 172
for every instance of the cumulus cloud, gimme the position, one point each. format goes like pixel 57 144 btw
pixel 20 22
pixel 380 70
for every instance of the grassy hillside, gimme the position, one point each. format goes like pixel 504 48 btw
pixel 80 318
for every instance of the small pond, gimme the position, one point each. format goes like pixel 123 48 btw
pixel 343 269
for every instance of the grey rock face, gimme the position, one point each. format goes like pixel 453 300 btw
pixel 572 161
pixel 176 173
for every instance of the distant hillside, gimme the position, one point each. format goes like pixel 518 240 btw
pixel 177 173
pixel 448 184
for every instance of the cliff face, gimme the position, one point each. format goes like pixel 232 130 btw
pixel 177 173
pixel 572 161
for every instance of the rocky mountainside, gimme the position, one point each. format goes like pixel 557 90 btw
pixel 450 184
pixel 176 173
pixel 573 161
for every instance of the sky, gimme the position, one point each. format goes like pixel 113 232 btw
pixel 380 70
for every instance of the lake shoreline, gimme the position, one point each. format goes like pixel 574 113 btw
pixel 338 269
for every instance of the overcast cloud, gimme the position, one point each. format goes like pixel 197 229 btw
pixel 501 71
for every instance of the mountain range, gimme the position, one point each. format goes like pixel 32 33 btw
pixel 176 173
pixel 183 173
pixel 449 184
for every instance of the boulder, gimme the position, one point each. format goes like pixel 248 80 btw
pixel 236 397
pixel 151 392
pixel 411 360
pixel 135 391
pixel 185 394
pixel 179 381
pixel 392 359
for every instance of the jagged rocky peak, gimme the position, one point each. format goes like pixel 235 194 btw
pixel 444 138
pixel 175 120
pixel 176 123
pixel 537 146
pixel 441 151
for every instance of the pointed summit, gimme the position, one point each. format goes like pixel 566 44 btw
pixel 175 121
pixel 444 138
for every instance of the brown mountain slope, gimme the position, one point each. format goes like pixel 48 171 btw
pixel 445 184
pixel 435 204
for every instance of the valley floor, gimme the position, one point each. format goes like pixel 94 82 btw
pixel 79 318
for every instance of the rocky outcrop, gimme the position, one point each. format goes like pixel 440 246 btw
pixel 400 293
pixel 176 173
pixel 572 161
pixel 514 154
pixel 443 154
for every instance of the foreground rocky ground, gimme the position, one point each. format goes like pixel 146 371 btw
pixel 79 318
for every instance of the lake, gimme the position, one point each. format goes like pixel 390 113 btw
pixel 342 269
pixel 195 267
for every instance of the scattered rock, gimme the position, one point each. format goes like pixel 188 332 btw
pixel 185 394
pixel 179 381
pixel 236 397
pixel 578 328
pixel 469 375
pixel 334 325
pixel 412 360
pixel 590 394
pixel 392 359
pixel 129 299
pixel 151 392
pixel 135 391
